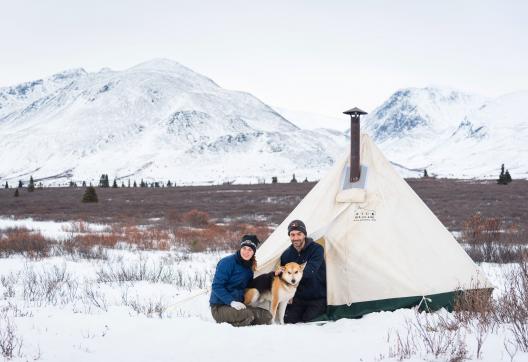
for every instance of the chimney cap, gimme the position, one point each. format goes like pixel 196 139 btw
pixel 355 111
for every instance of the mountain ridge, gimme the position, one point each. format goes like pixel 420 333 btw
pixel 160 120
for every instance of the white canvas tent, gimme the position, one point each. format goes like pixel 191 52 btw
pixel 384 248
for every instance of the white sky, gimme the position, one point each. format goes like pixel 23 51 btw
pixel 316 56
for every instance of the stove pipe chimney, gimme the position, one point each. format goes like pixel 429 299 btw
pixel 355 170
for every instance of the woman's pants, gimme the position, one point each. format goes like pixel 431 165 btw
pixel 240 318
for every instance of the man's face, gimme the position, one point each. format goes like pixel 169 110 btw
pixel 297 239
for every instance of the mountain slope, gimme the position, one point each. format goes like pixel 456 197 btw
pixel 158 120
pixel 452 134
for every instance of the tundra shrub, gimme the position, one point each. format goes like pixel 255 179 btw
pixel 90 195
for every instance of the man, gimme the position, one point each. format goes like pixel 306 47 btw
pixel 310 299
pixel 233 273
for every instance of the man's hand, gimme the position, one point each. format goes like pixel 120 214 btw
pixel 237 305
pixel 279 270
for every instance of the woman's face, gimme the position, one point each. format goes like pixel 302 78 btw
pixel 246 252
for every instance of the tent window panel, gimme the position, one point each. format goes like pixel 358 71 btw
pixel 321 241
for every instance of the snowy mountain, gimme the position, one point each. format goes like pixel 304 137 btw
pixel 158 121
pixel 451 133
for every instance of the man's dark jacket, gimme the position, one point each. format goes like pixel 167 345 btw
pixel 313 282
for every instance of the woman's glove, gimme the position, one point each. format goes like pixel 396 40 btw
pixel 237 305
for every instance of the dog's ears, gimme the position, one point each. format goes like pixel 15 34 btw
pixel 303 265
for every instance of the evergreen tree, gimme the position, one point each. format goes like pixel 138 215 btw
pixel 135 184
pixel 293 180
pixel 169 184
pixel 142 184
pixel 306 179
pixel 103 181
pixel 20 184
pixel 31 186
pixel 84 184
pixel 6 185
pixel 90 195
pixel 16 192
pixel 114 185
pixel 507 177
pixel 425 174
pixel 128 182
pixel 122 183
pixel 502 177
pixel 274 180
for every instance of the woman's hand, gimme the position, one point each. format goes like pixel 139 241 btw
pixel 237 305
pixel 279 270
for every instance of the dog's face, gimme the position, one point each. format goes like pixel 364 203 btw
pixel 292 273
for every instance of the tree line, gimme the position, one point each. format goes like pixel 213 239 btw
pixel 104 182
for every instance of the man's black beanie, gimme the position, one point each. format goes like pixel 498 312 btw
pixel 297 225
pixel 250 240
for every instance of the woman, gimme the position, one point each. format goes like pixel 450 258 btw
pixel 232 276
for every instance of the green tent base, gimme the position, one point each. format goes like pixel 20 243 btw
pixel 427 303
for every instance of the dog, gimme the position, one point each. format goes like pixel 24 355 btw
pixel 278 290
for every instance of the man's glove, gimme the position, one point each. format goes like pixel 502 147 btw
pixel 237 305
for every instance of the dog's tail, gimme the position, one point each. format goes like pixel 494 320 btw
pixel 251 296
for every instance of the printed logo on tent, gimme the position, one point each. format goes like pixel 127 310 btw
pixel 362 214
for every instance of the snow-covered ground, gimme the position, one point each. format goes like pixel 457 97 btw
pixel 71 309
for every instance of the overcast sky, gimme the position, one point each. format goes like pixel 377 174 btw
pixel 316 56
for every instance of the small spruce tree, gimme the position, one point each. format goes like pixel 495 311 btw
pixel 293 180
pixel 169 183
pixel 274 180
pixel 6 185
pixel 84 184
pixel 20 184
pixel 502 177
pixel 507 177
pixel 31 185
pixel 425 174
pixel 103 181
pixel 114 185
pixel 90 195
pixel 135 184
